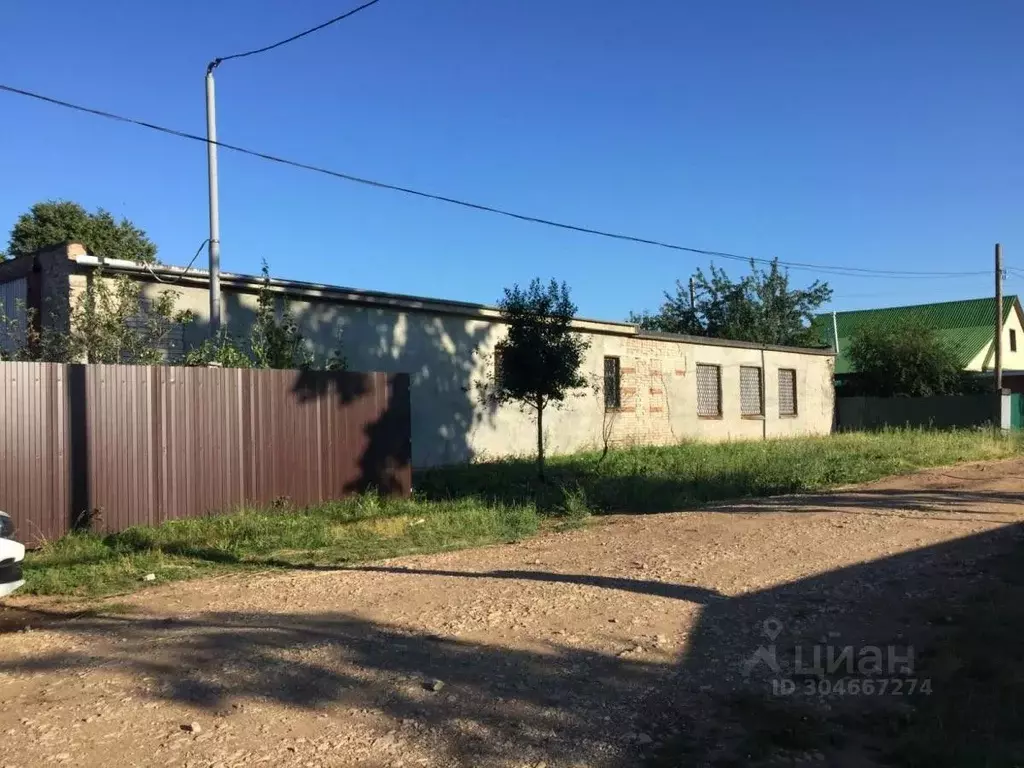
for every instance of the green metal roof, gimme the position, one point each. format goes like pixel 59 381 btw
pixel 965 325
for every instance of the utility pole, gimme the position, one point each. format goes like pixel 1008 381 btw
pixel 211 160
pixel 999 318
pixel 691 293
pixel 835 333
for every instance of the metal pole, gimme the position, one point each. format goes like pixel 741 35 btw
pixel 835 333
pixel 211 158
pixel 998 340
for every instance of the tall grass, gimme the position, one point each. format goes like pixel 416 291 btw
pixel 491 502
pixel 358 529
pixel 661 479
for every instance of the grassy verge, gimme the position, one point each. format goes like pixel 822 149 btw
pixel 664 479
pixel 488 503
pixel 354 530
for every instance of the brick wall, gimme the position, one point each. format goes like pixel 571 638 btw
pixel 649 369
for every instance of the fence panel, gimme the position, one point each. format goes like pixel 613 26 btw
pixel 113 446
pixel 938 412
pixel 34 451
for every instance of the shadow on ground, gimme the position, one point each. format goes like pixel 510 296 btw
pixel 564 705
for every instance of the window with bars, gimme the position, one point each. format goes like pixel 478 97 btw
pixel 612 383
pixel 709 390
pixel 787 392
pixel 751 391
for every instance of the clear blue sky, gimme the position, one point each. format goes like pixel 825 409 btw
pixel 877 134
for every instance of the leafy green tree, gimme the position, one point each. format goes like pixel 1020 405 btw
pixel 538 362
pixel 906 361
pixel 224 350
pixel 56 222
pixel 760 307
pixel 276 340
pixel 110 322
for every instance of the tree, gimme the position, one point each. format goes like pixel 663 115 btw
pixel 223 350
pixel 760 307
pixel 110 322
pixel 538 362
pixel 56 222
pixel 275 341
pixel 910 360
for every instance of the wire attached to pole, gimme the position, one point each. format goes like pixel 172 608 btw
pixel 157 277
pixel 216 62
pixel 844 271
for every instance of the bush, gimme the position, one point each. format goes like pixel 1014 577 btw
pixel 906 361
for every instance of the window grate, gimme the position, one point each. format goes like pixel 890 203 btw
pixel 612 382
pixel 751 394
pixel 709 390
pixel 787 392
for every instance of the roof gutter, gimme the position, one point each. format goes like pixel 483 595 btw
pixel 301 290
pixel 172 276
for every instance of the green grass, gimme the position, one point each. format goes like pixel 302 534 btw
pixel 490 502
pixel 664 479
pixel 359 529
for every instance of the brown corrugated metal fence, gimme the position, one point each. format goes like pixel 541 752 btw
pixel 112 446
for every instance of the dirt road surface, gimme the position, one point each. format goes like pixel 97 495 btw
pixel 610 645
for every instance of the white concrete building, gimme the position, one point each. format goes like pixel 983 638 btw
pixel 648 388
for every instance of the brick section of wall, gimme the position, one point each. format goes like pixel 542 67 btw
pixel 644 418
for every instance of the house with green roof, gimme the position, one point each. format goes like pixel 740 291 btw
pixel 967 326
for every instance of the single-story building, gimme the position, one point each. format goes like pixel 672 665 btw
pixel 648 388
pixel 967 326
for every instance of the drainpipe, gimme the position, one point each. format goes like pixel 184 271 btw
pixel 764 398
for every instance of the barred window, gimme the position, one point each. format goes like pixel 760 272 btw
pixel 709 390
pixel 612 381
pixel 751 391
pixel 787 392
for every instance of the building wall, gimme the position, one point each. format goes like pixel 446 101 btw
pixel 1012 360
pixel 450 359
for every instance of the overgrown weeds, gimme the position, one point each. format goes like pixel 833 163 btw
pixel 490 503
pixel 671 478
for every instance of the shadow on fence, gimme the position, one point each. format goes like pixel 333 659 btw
pixel 105 447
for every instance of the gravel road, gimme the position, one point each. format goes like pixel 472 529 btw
pixel 602 646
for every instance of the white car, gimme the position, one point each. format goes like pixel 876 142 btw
pixel 11 556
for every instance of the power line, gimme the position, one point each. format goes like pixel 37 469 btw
pixel 184 271
pixel 825 269
pixel 293 38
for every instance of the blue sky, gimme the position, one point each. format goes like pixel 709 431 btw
pixel 875 134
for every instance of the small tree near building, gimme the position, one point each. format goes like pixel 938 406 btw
pixel 538 362
pixel 906 361
pixel 110 322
